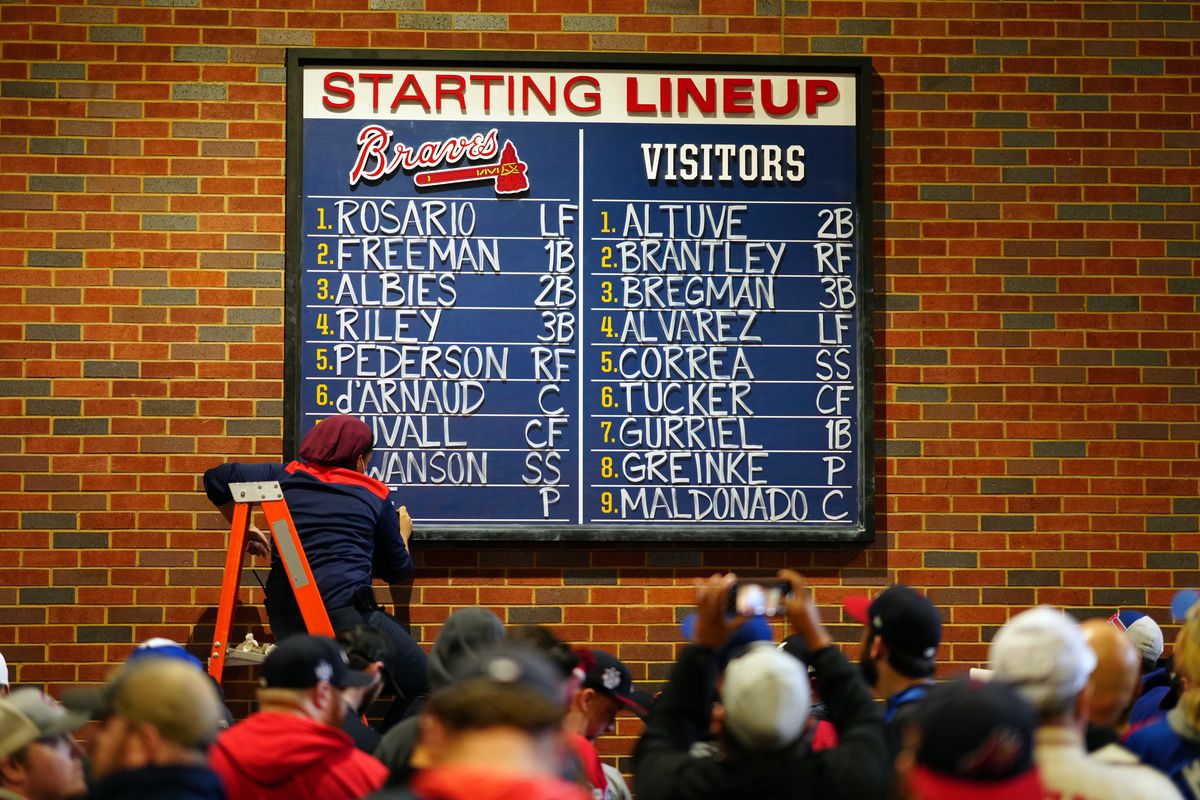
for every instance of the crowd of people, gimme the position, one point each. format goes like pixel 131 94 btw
pixel 1064 711
pixel 515 713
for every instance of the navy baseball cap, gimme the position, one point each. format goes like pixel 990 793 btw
pixel 976 743
pixel 908 623
pixel 609 676
pixel 301 661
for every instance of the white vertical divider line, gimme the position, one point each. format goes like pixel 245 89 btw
pixel 579 328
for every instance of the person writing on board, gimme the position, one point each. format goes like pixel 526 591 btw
pixel 351 529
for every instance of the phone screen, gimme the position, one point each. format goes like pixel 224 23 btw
pixel 757 600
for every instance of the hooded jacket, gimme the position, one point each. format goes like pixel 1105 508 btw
pixel 277 756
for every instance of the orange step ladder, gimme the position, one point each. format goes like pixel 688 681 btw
pixel 268 495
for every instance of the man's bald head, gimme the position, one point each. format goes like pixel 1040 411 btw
pixel 1117 671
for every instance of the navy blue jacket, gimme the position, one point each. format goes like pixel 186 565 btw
pixel 174 781
pixel 347 522
pixel 1172 746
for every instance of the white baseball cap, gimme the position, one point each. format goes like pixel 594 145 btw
pixel 1142 631
pixel 766 698
pixel 1042 653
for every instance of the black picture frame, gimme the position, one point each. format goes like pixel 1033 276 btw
pixel 859 68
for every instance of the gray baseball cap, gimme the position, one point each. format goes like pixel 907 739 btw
pixel 28 714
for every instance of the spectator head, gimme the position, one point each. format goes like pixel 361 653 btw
pixel 465 636
pixel 339 441
pixel 154 712
pixel 4 685
pixel 1187 665
pixel 754 629
pixel 1143 633
pixel 159 647
pixel 903 633
pixel 39 758
pixel 509 695
pixel 367 649
pixel 607 690
pixel 1115 678
pixel 1042 653
pixel 566 660
pixel 307 674
pixel 765 700
pixel 970 741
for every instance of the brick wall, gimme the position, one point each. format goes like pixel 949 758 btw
pixel 1037 280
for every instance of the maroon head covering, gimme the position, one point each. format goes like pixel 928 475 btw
pixel 336 441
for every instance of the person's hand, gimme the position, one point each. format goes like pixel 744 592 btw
pixel 257 542
pixel 712 627
pixel 803 613
pixel 405 525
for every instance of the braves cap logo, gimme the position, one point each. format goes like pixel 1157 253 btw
pixel 323 671
pixel 611 678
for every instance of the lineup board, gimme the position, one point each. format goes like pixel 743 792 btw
pixel 581 299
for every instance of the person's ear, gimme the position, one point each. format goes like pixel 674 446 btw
pixel 717 723
pixel 583 698
pixel 878 649
pixel 140 745
pixel 322 695
pixel 1083 703
pixel 12 771
pixel 431 742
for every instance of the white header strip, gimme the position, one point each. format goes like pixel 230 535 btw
pixel 486 94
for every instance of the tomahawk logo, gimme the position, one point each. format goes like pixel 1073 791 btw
pixel 509 174
pixel 378 159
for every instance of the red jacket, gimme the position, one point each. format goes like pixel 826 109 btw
pixel 275 756
pixel 590 760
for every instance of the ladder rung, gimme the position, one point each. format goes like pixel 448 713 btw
pixel 235 656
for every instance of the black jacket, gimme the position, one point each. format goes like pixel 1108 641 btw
pixel 176 782
pixel 857 769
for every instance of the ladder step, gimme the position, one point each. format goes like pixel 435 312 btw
pixel 235 656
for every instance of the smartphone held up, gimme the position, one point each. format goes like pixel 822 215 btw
pixel 758 599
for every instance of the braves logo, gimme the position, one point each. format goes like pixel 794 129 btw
pixel 378 158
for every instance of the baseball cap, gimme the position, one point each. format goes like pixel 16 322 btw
pixel 1042 652
pixel 766 698
pixel 301 661
pixel 160 647
pixel 514 667
pixel 1144 632
pixel 976 743
pixel 28 714
pixel 608 675
pixel 174 697
pixel 909 623
pixel 3 671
